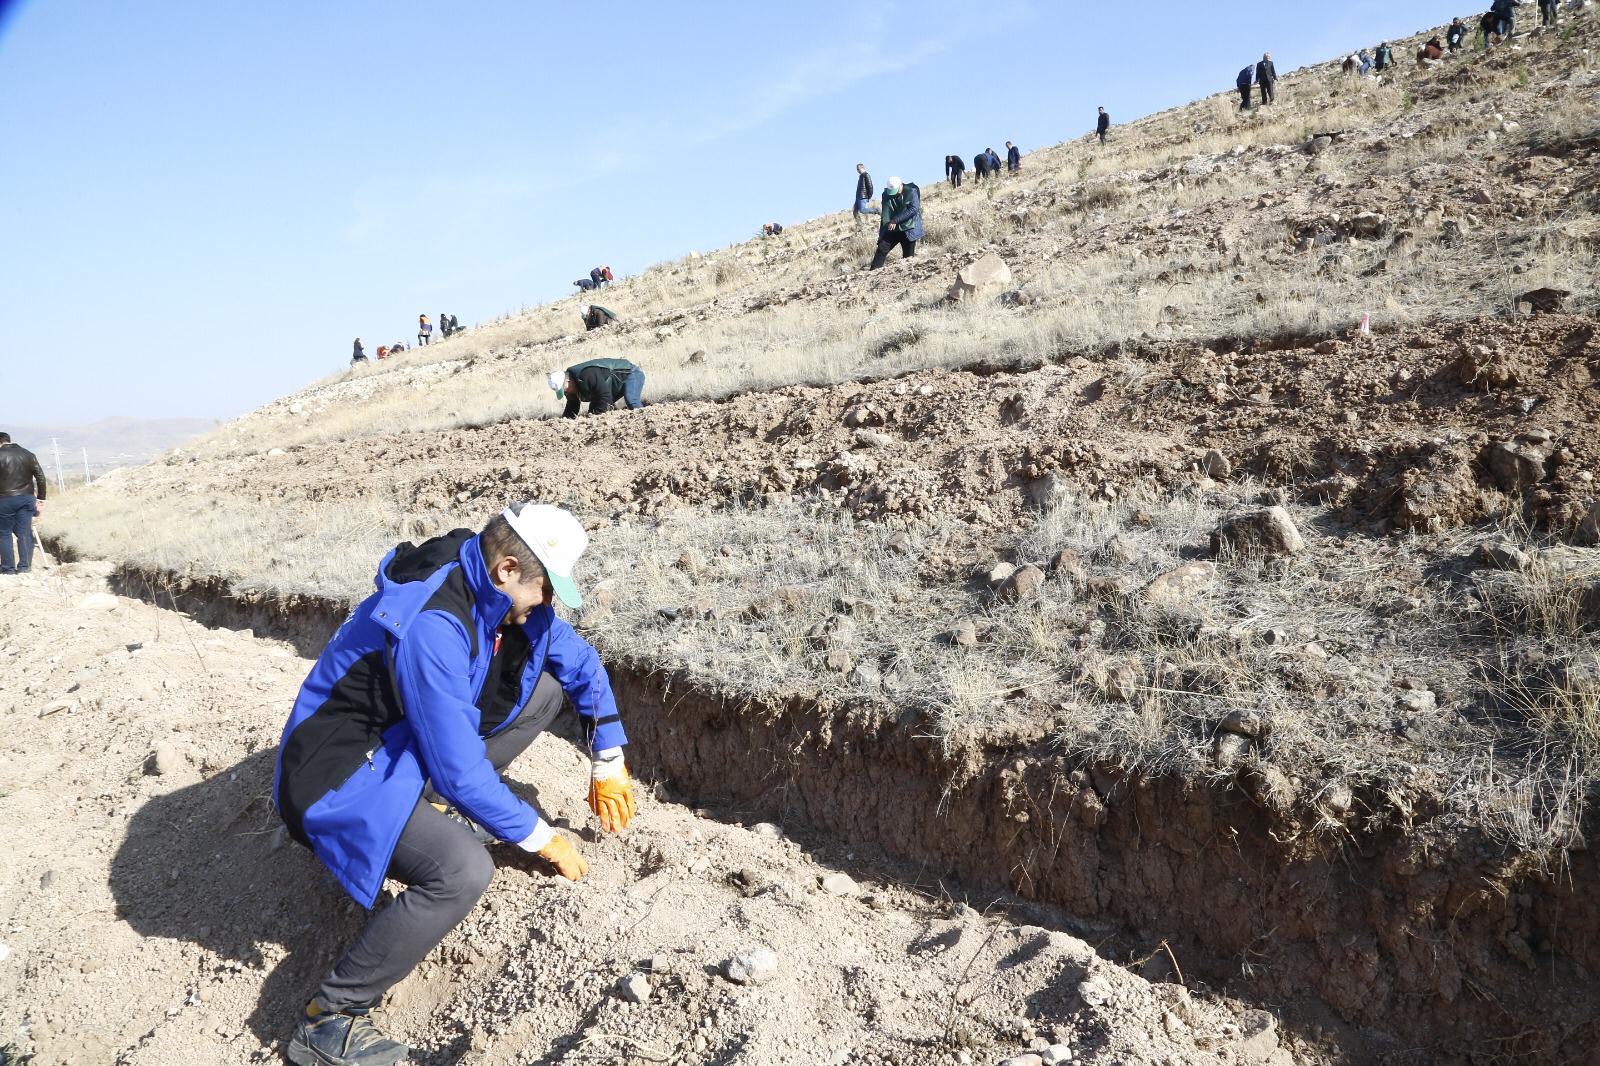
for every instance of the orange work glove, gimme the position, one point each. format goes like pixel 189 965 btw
pixel 611 794
pixel 565 858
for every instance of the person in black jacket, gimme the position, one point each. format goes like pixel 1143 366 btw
pixel 1013 158
pixel 1383 59
pixel 954 167
pixel 1246 78
pixel 1455 34
pixel 600 383
pixel 864 191
pixel 596 317
pixel 1102 124
pixel 22 492
pixel 1267 79
pixel 357 355
pixel 980 166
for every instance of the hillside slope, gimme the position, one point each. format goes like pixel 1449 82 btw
pixel 1154 523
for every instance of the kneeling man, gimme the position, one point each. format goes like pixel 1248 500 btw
pixel 390 764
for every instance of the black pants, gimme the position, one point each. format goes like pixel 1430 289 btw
pixel 1269 92
pixel 955 179
pixel 1244 98
pixel 887 242
pixel 1548 12
pixel 1102 136
pixel 979 174
pixel 445 871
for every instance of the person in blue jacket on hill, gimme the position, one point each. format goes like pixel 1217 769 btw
pixel 900 221
pixel 1246 78
pixel 390 763
pixel 1013 158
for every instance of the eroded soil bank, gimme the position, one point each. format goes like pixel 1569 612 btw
pixel 1425 930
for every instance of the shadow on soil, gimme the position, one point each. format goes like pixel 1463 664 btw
pixel 206 864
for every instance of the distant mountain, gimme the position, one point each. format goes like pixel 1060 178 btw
pixel 110 442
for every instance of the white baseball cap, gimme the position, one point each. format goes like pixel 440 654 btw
pixel 557 380
pixel 556 539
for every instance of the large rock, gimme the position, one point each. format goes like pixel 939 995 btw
pixel 1545 299
pixel 1589 524
pixel 1269 530
pixel 1519 464
pixel 1050 491
pixel 1369 225
pixel 988 275
pixel 751 967
pixel 1182 585
pixel 1024 585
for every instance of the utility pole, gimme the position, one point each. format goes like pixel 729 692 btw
pixel 61 482
pixel 86 466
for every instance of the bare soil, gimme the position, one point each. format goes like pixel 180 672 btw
pixel 153 912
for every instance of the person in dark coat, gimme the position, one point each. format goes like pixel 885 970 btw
pixel 900 223
pixel 864 191
pixel 954 167
pixel 1102 124
pixel 1013 158
pixel 600 383
pixel 1384 58
pixel 1505 13
pixel 23 487
pixel 980 166
pixel 596 317
pixel 1549 12
pixel 1455 34
pixel 358 356
pixel 1267 79
pixel 1243 82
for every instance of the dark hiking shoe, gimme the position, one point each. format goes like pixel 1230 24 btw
pixel 479 833
pixel 342 1038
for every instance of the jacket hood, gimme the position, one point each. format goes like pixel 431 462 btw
pixel 417 562
pixel 409 575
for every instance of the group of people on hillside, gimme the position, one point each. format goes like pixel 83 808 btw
pixel 986 164
pixel 1262 75
pixel 449 326
pixel 599 276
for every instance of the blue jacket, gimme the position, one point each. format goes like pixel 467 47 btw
pixel 406 692
pixel 1246 78
pixel 905 211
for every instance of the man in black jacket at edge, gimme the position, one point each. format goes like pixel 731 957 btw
pixel 22 492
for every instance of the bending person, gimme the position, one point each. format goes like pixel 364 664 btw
pixel 600 383
pixel 390 763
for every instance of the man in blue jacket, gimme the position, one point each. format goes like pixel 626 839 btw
pixel 1246 78
pixel 391 760
pixel 900 222
pixel 1013 158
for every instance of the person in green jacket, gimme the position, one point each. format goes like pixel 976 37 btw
pixel 595 316
pixel 600 383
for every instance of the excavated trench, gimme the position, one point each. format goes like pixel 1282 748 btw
pixel 1448 945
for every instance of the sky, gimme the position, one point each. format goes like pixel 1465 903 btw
pixel 205 203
